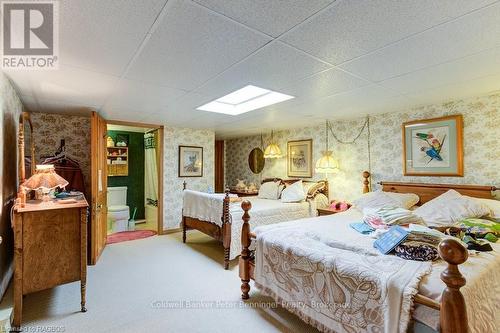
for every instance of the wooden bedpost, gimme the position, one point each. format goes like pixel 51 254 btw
pixel 366 182
pixel 184 229
pixel 245 252
pixel 226 229
pixel 453 311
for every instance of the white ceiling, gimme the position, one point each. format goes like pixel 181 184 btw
pixel 155 61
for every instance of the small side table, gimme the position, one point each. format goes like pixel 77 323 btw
pixel 326 211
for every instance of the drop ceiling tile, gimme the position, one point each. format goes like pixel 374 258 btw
pixel 272 17
pixel 326 83
pixel 355 103
pixel 67 84
pixel 465 69
pixel 273 67
pixel 191 45
pixel 475 87
pixel 350 29
pixel 129 94
pixel 465 36
pixel 54 106
pixel 103 35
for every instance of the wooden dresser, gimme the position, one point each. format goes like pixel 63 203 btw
pixel 50 248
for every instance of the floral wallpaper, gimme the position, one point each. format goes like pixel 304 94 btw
pixel 172 183
pixel 481 147
pixel 11 108
pixel 49 129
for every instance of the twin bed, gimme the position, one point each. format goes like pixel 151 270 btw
pixel 332 278
pixel 219 216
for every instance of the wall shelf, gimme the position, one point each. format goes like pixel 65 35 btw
pixel 117 169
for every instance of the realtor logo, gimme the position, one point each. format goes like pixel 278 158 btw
pixel 30 35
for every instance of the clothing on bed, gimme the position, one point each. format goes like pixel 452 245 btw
pixel 322 263
pixel 329 275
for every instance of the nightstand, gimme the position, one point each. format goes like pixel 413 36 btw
pixel 326 211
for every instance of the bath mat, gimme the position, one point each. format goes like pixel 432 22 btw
pixel 124 236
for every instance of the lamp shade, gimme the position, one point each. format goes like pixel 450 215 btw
pixel 272 151
pixel 327 164
pixel 45 178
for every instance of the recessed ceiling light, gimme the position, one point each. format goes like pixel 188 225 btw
pixel 246 99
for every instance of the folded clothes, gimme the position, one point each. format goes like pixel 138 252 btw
pixel 390 216
pixel 414 250
pixel 362 227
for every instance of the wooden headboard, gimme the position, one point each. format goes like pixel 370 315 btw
pixel 287 182
pixel 427 192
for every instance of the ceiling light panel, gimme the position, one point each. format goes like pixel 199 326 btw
pixel 243 100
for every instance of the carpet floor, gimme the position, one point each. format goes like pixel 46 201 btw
pixel 158 284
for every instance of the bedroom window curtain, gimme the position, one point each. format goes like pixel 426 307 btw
pixel 150 170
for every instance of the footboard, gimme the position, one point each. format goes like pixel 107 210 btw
pixel 220 233
pixel 453 312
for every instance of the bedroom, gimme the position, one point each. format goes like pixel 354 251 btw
pixel 350 73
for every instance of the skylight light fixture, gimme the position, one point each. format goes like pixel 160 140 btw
pixel 246 99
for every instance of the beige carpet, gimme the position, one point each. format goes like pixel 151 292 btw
pixel 135 283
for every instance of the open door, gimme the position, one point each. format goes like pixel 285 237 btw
pixel 98 223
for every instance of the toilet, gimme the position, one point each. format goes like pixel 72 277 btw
pixel 118 211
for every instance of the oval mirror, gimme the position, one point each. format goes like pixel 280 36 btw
pixel 256 160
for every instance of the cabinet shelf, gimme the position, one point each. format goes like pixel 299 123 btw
pixel 117 169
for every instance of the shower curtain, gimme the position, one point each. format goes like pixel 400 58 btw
pixel 151 171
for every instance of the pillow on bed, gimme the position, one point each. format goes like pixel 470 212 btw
pixel 375 200
pixel 321 201
pixel 408 200
pixel 492 204
pixel 449 208
pixel 312 188
pixel 293 193
pixel 269 190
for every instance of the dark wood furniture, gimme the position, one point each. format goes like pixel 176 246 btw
pixel 326 211
pixel 223 233
pixel 453 312
pixel 243 193
pixel 50 249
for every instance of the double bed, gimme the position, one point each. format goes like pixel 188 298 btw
pixel 219 216
pixel 331 276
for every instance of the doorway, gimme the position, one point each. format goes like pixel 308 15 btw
pixel 127 198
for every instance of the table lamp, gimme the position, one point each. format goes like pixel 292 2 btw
pixel 44 180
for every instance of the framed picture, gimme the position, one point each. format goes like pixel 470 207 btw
pixel 299 158
pixel 433 147
pixel 190 161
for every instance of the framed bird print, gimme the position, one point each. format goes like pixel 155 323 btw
pixel 433 147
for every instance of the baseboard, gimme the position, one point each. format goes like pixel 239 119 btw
pixel 170 231
pixel 4 284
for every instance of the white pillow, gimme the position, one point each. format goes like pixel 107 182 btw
pixel 293 193
pixel 408 200
pixel 269 190
pixel 449 208
pixel 375 200
pixel 492 204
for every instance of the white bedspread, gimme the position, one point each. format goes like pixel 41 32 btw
pixel 208 207
pixel 312 263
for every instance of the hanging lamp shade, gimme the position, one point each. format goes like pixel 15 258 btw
pixel 327 164
pixel 272 150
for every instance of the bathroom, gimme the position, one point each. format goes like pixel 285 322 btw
pixel 132 180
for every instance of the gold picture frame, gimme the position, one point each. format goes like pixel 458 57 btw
pixel 299 158
pixel 433 147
